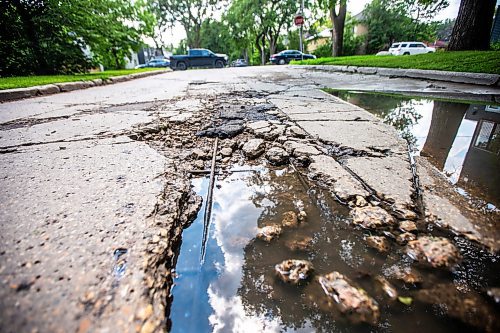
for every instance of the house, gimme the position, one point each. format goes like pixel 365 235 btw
pixel 320 39
pixel 360 29
pixel 495 31
pixel 325 36
pixel 144 55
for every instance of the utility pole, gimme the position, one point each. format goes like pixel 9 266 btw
pixel 301 41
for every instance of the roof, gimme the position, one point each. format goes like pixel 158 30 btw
pixel 360 16
pixel 326 33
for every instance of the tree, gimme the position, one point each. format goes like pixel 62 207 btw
pixel 215 36
pixel 396 20
pixel 264 20
pixel 337 10
pixel 189 13
pixel 473 25
pixel 52 36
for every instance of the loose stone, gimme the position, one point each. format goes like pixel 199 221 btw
pixel 294 271
pixel 494 293
pixel 277 156
pixel 296 131
pixel 360 201
pixel 290 219
pixel 226 152
pixel 371 217
pixel 407 226
pixel 302 244
pixel 253 148
pixel 353 302
pixel 379 243
pixel 405 237
pixel 405 274
pixel 268 233
pixel 387 287
pixel 435 251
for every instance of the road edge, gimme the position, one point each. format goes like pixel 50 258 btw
pixel 8 95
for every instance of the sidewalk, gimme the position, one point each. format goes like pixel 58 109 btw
pixel 49 89
pixel 457 77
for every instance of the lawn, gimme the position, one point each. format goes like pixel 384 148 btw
pixel 458 61
pixel 30 81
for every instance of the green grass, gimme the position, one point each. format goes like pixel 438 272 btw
pixel 30 81
pixel 458 61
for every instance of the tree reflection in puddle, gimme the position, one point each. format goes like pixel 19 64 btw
pixel 462 140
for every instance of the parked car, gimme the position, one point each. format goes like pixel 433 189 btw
pixel 410 48
pixel 239 63
pixel 155 63
pixel 198 58
pixel 284 57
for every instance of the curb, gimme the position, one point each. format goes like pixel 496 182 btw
pixel 8 95
pixel 456 77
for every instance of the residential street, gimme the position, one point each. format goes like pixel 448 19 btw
pixel 95 184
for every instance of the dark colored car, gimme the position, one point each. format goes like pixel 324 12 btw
pixel 198 58
pixel 155 63
pixel 284 57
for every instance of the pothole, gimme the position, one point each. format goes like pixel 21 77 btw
pixel 263 174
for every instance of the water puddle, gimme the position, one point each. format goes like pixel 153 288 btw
pixel 462 140
pixel 236 289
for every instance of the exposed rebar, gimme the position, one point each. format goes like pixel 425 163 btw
pixel 208 206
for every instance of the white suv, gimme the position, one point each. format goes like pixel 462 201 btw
pixel 407 48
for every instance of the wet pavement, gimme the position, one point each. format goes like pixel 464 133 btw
pixel 95 187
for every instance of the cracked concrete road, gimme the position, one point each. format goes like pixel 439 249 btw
pixel 78 194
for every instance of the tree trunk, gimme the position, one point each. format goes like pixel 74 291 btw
pixel 338 22
pixel 472 28
pixel 263 54
pixel 29 31
pixel 193 36
pixel 261 48
pixel 272 43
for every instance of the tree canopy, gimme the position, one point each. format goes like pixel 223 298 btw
pixel 52 36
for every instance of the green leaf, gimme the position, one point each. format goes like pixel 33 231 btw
pixel 405 300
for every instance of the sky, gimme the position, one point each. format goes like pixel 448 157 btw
pixel 175 35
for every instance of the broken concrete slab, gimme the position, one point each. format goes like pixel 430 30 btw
pixel 361 136
pixel 334 116
pixel 390 178
pixel 448 209
pixel 325 169
pixel 300 149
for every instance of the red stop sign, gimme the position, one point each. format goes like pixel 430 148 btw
pixel 299 20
